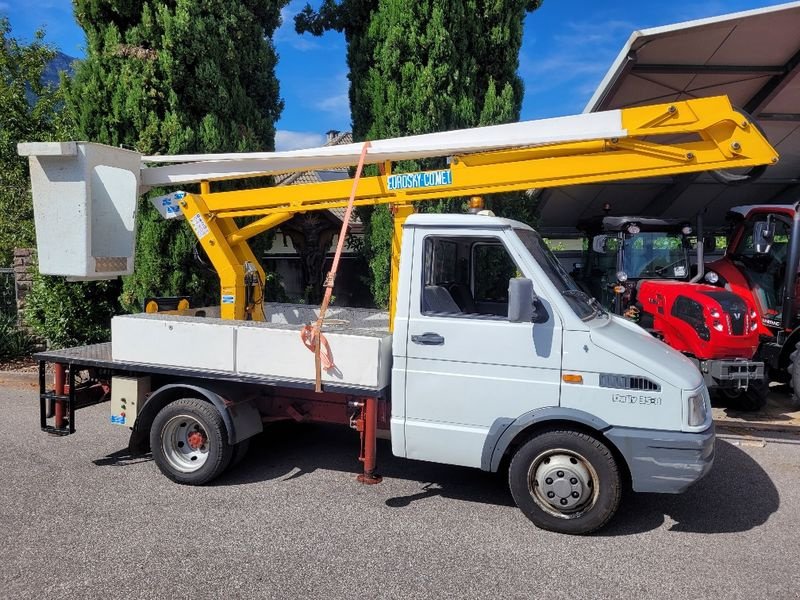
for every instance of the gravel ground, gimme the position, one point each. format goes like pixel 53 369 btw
pixel 79 518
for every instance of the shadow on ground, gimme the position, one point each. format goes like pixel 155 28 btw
pixel 779 408
pixel 737 495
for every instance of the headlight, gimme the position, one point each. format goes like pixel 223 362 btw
pixel 711 277
pixel 622 276
pixel 697 410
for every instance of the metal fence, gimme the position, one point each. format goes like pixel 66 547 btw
pixel 8 293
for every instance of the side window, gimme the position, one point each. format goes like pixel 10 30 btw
pixel 466 276
pixel 780 242
pixel 493 269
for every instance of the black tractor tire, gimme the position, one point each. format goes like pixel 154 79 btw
pixel 173 447
pixel 752 399
pixel 569 468
pixel 794 377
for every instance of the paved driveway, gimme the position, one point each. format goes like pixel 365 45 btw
pixel 79 518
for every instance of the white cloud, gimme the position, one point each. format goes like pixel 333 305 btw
pixel 285 34
pixel 295 140
pixel 337 104
pixel 334 97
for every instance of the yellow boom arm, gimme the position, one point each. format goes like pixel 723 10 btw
pixel 712 136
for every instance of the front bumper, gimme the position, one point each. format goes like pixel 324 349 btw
pixel 731 373
pixel 664 461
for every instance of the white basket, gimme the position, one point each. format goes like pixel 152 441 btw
pixel 84 204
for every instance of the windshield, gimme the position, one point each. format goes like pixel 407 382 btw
pixel 581 303
pixel 657 254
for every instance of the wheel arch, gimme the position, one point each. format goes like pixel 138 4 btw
pixel 241 419
pixel 507 435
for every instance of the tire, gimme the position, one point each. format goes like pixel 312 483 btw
pixel 189 442
pixel 794 376
pixel 572 468
pixel 750 400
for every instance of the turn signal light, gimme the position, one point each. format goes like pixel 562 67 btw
pixel 572 378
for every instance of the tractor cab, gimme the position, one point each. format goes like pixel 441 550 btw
pixel 622 251
pixel 761 263
pixel 755 262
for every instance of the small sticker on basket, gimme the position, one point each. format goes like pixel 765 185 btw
pixel 199 225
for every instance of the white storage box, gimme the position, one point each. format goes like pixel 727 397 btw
pixel 84 204
pixel 362 357
pixel 174 341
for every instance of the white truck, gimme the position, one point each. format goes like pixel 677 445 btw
pixel 529 374
pixel 492 357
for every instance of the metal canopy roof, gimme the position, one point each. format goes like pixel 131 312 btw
pixel 754 58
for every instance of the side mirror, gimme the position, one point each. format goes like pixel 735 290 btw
pixel 763 234
pixel 709 243
pixel 521 300
pixel 599 244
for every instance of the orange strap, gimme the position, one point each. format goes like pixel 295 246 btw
pixel 309 341
pixel 312 335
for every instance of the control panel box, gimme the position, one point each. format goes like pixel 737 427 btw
pixel 128 395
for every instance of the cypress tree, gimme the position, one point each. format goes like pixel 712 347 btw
pixel 420 67
pixel 176 76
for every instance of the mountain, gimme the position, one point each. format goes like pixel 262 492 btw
pixel 61 62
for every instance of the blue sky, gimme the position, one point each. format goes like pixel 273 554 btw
pixel 567 47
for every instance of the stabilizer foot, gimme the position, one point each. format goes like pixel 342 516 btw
pixel 369 478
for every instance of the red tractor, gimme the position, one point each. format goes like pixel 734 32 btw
pixel 640 268
pixel 761 264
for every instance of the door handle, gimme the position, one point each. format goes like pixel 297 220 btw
pixel 428 339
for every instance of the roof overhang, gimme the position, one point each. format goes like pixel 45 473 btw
pixel 754 58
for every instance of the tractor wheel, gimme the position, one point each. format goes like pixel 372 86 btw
pixel 794 376
pixel 748 400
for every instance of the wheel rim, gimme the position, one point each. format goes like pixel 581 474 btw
pixel 563 483
pixel 184 442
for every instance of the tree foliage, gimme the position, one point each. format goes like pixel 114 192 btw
pixel 420 67
pixel 31 111
pixel 69 313
pixel 176 77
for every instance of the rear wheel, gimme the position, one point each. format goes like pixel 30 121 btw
pixel 565 481
pixel 189 442
pixel 794 376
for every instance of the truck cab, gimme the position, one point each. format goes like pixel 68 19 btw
pixel 494 342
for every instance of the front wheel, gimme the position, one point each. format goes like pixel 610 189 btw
pixel 189 442
pixel 751 399
pixel 565 481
